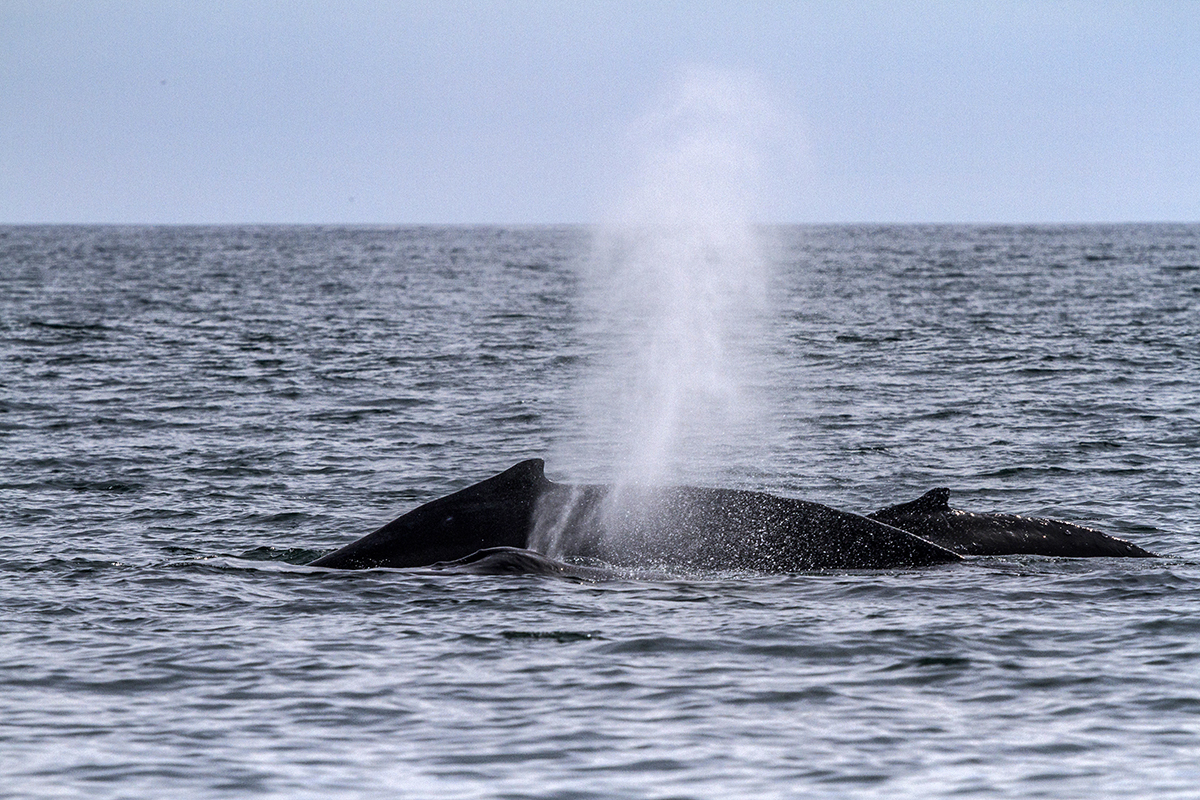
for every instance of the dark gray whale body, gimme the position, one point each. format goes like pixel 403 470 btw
pixel 524 523
pixel 931 518
pixel 497 512
pixel 681 527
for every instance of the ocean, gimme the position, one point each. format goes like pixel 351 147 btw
pixel 189 415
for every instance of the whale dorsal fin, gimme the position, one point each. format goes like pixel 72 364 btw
pixel 934 500
pixel 931 502
pixel 530 466
pixel 530 472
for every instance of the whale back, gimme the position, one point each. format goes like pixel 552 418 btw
pixel 931 517
pixel 724 529
pixel 496 512
pixel 699 528
pixel 667 527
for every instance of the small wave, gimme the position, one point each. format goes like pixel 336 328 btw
pixel 561 637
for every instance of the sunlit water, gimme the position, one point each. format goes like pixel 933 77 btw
pixel 188 414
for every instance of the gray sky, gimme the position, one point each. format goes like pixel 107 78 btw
pixel 521 112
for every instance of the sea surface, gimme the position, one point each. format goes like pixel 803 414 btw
pixel 188 415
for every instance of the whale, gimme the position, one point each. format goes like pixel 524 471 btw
pixel 520 522
pixel 688 528
pixel 972 534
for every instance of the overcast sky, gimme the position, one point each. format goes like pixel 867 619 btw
pixel 522 112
